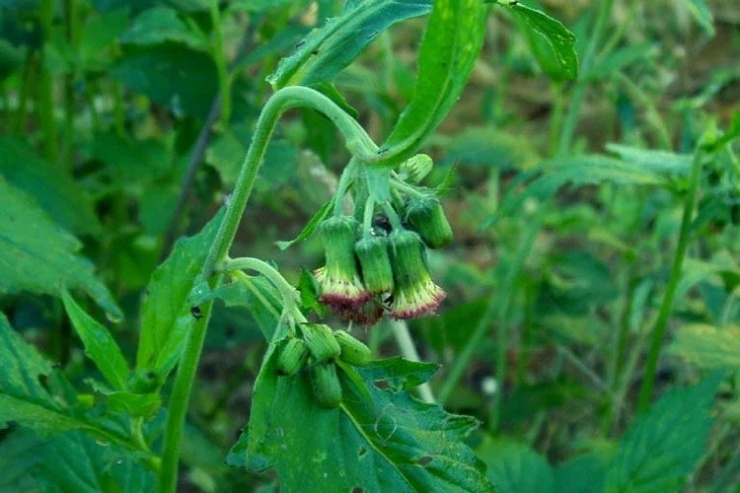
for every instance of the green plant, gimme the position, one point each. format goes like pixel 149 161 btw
pixel 325 413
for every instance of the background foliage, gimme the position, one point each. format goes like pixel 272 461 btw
pixel 566 198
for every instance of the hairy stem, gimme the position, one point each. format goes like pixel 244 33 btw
pixel 358 142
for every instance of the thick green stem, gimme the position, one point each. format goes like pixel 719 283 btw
pixel 661 325
pixel 408 349
pixel 358 142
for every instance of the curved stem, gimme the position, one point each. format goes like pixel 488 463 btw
pixel 344 182
pixel 661 325
pixel 359 144
pixel 287 291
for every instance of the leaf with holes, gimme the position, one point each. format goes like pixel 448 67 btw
pixel 380 438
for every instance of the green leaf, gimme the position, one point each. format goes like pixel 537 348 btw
pixel 19 457
pixel 255 293
pixel 451 43
pixel 659 451
pixel 491 147
pixel 99 343
pixel 166 316
pixel 39 256
pixel 25 400
pixel 578 171
pixel 552 44
pixel 98 34
pixel 516 468
pixel 258 5
pixel 72 462
pixel 390 441
pixel 327 50
pixel 702 14
pixel 177 76
pixel 160 25
pixel 54 190
pixel 583 474
pixel 310 227
pixel 653 160
pixel 707 346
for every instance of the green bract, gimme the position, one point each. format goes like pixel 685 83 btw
pixel 320 341
pixel 325 384
pixel 377 275
pixel 354 351
pixel 293 357
pixel 427 217
pixel 415 293
pixel 339 280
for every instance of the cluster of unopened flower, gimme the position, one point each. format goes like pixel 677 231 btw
pixel 368 273
pixel 316 349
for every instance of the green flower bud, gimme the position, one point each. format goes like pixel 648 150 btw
pixel 377 274
pixel 354 351
pixel 321 342
pixel 415 293
pixel 325 384
pixel 427 217
pixel 292 357
pixel 339 280
pixel 416 168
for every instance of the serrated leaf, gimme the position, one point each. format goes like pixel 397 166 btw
pixel 166 316
pixel 552 44
pixel 99 344
pixel 310 226
pixel 23 398
pixel 39 256
pixel 516 468
pixel 659 451
pixel 451 44
pixel 654 160
pixel 54 190
pixel 379 439
pixel 578 171
pixel 707 346
pixel 490 147
pixel 75 462
pixel 326 51
pixel 160 25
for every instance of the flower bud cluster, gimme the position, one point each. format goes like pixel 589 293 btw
pixel 384 269
pixel 316 350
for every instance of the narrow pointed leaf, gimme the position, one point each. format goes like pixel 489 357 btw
pixel 166 315
pixel 99 344
pixel 329 49
pixel 552 44
pixel 451 43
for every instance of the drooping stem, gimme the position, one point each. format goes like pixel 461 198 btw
pixel 661 324
pixel 359 144
pixel 408 349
